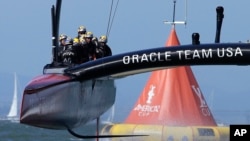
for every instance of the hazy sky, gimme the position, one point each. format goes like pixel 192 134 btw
pixel 26 40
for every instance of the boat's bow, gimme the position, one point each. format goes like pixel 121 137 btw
pixel 58 101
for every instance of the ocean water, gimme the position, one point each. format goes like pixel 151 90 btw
pixel 14 131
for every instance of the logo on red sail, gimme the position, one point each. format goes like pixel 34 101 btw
pixel 150 94
pixel 204 108
pixel 146 109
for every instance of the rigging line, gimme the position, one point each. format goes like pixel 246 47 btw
pixel 113 17
pixel 110 13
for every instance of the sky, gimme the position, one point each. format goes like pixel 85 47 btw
pixel 26 41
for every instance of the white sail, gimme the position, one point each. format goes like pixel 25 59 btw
pixel 111 115
pixel 13 113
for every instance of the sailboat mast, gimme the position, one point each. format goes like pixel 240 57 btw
pixel 174 22
pixel 55 18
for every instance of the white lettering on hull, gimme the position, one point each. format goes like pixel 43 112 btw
pixel 183 55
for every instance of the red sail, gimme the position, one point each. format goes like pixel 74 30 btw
pixel 172 97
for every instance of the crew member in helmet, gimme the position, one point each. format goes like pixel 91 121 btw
pixel 66 51
pixel 62 43
pixel 90 46
pixel 62 40
pixel 103 49
pixel 81 31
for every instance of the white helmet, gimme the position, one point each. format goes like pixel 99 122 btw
pixel 103 39
pixel 81 29
pixel 89 34
pixel 62 37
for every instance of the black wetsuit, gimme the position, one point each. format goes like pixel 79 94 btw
pixel 103 51
pixel 91 50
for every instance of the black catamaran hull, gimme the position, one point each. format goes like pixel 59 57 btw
pixel 64 100
pixel 54 101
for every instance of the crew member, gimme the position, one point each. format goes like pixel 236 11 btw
pixel 90 46
pixel 103 49
pixel 66 50
pixel 81 31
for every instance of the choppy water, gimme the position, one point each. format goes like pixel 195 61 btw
pixel 11 131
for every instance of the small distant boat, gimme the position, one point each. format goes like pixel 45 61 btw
pixel 13 113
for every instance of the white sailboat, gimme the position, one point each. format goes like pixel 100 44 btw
pixel 13 113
